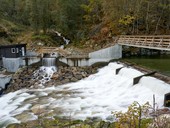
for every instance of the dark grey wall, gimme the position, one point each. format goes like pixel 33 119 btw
pixel 6 51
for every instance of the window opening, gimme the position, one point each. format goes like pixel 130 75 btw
pixel 12 50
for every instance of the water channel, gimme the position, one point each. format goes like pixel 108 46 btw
pixel 160 63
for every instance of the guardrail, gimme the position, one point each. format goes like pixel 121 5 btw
pixel 160 42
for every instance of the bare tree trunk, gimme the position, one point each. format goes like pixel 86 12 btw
pixel 137 15
pixel 133 29
pixel 147 18
pixel 156 28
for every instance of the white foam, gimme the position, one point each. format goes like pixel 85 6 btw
pixel 10 106
pixel 65 40
pixel 129 72
pixel 45 73
pixel 95 96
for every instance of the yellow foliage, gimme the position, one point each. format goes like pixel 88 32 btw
pixel 131 118
pixel 127 20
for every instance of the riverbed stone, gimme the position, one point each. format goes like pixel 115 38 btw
pixel 16 125
pixel 64 81
pixel 25 117
pixel 73 79
pixel 55 76
pixel 38 109
pixel 78 76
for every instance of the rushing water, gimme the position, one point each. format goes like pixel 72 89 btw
pixel 48 62
pixel 95 96
pixel 159 63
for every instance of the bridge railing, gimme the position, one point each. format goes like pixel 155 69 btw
pixel 160 41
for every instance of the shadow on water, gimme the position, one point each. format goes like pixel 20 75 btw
pixel 160 63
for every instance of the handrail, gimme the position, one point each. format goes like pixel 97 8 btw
pixel 144 36
pixel 161 42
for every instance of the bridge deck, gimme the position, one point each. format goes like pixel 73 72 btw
pixel 161 42
pixel 54 50
pixel 62 52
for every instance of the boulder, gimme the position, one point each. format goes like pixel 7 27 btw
pixel 64 81
pixel 73 79
pixel 78 76
pixel 55 76
pixel 25 117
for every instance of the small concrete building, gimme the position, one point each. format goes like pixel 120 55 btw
pixel 12 56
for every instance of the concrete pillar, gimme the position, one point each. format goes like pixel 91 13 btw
pixel 4 80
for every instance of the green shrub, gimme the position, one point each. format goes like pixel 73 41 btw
pixel 133 117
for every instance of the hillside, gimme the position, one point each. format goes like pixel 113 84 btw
pixel 13 33
pixel 88 24
pixel 9 31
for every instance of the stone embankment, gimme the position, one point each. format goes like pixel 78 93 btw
pixel 25 78
pixel 64 123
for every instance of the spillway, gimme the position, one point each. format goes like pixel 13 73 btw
pixel 95 96
pixel 49 62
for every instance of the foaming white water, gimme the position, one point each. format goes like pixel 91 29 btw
pixel 11 105
pixel 95 96
pixel 65 40
pixel 45 73
pixel 129 73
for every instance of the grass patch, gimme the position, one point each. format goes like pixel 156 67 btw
pixel 41 37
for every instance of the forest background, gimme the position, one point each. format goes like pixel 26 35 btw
pixel 81 20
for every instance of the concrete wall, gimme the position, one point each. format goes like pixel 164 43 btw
pixel 75 61
pixel 12 64
pixel 4 80
pixel 31 53
pixel 33 60
pixel 105 55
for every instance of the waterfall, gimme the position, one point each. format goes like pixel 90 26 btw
pixel 44 74
pixel 48 62
pixel 67 41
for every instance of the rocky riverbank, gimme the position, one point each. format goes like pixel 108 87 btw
pixel 26 78
pixel 64 123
